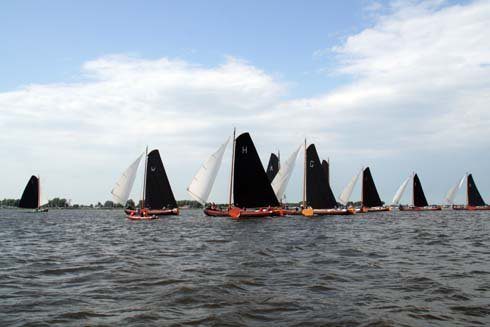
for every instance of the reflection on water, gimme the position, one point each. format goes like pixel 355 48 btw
pixel 75 267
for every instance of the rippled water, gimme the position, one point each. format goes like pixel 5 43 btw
pixel 75 267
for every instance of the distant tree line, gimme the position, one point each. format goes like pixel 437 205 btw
pixel 64 203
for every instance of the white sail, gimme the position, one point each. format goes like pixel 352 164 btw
pixel 120 192
pixel 203 182
pixel 451 194
pixel 400 191
pixel 347 192
pixel 281 180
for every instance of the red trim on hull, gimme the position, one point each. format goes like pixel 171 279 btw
pixel 151 212
pixel 432 208
pixel 470 208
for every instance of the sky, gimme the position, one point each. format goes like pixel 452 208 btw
pixel 398 86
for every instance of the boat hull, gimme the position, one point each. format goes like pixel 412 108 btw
pixel 152 212
pixel 328 212
pixel 137 218
pixel 471 208
pixel 373 209
pixel 431 208
pixel 40 210
pixel 237 213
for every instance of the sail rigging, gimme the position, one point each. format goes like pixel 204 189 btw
pixel 370 196
pixel 451 194
pixel 30 196
pixel 124 185
pixel 251 187
pixel 158 193
pixel 281 180
pixel 202 184
pixel 474 197
pixel 419 199
pixel 347 192
pixel 272 167
pixel 400 191
pixel 319 195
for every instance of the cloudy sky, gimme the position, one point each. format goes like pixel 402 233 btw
pixel 399 86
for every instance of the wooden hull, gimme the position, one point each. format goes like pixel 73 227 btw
pixel 327 212
pixel 237 213
pixel 160 212
pixel 470 208
pixel 431 208
pixel 135 218
pixel 216 212
pixel 372 209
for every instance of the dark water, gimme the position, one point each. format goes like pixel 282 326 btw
pixel 72 268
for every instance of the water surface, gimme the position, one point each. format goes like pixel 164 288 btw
pixel 94 267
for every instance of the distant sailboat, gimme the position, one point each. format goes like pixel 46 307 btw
pixel 31 197
pixel 474 200
pixel 370 200
pixel 318 198
pixel 157 198
pixel 419 201
pixel 273 166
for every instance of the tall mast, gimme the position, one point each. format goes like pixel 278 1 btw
pixel 362 187
pixel 232 168
pixel 413 189
pixel 304 180
pixel 38 192
pixel 278 160
pixel 143 196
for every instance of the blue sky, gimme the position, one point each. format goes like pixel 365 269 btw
pixel 47 41
pixel 398 85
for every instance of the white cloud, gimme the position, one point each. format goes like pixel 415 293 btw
pixel 421 82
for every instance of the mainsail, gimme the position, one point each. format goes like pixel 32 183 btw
pixel 158 193
pixel 451 194
pixel 122 189
pixel 203 182
pixel 419 199
pixel 281 180
pixel 272 167
pixel 251 187
pixel 318 192
pixel 474 197
pixel 30 196
pixel 347 192
pixel 370 196
pixel 326 170
pixel 400 191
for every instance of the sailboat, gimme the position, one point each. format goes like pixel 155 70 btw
pixel 273 166
pixel 31 197
pixel 318 198
pixel 250 187
pixel 157 196
pixel 370 200
pixel 474 200
pixel 419 201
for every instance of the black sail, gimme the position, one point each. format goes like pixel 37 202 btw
pixel 30 197
pixel 326 170
pixel 319 195
pixel 419 199
pixel 474 197
pixel 370 196
pixel 251 187
pixel 158 193
pixel 272 167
